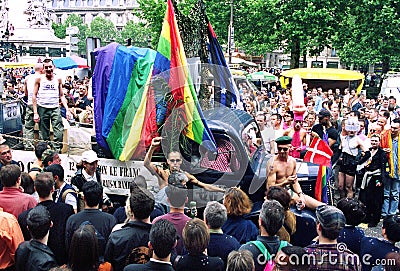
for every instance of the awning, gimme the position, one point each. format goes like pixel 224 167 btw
pixel 8 65
pixel 323 74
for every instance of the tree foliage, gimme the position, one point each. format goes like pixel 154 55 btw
pixel 104 29
pixel 73 20
pixel 370 34
pixel 139 33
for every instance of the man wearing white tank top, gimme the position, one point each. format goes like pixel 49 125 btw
pixel 46 96
pixel 29 85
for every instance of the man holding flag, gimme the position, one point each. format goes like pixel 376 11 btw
pixel 282 172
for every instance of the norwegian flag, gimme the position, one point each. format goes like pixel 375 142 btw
pixel 319 153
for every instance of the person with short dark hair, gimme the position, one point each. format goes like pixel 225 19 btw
pixel 291 258
pixel 64 192
pixel 330 222
pixel 378 248
pixel 47 93
pixel 177 196
pixel 162 240
pixel 220 244
pixel 240 261
pixel 50 157
pixel 37 165
pixel 196 238
pixel 270 221
pixel 59 213
pixel 35 255
pixel 354 212
pixel 84 251
pixel 134 233
pixel 102 222
pixel 12 199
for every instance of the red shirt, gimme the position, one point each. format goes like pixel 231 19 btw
pixel 14 201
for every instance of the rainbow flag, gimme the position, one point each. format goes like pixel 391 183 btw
pixel 133 105
pixel 321 185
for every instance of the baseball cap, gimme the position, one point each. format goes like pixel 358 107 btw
pixel 324 113
pixel 330 217
pixel 89 156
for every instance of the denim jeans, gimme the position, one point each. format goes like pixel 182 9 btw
pixel 390 196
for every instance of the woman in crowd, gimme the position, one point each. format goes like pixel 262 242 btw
pixel 289 225
pixel 84 252
pixel 238 205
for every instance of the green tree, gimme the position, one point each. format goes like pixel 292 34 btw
pixel 370 33
pixel 139 33
pixel 103 29
pixel 73 20
pixel 295 26
pixel 59 30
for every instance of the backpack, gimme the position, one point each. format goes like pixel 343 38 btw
pixel 270 262
pixel 80 204
pixel 102 241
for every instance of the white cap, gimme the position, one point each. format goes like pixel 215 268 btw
pixel 89 156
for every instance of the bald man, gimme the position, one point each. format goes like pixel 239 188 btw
pixel 28 89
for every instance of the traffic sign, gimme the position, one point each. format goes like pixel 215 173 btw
pixel 72 30
pixel 74 40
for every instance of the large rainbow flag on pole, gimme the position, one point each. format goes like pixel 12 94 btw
pixel 128 117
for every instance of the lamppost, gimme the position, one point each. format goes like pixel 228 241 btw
pixel 230 34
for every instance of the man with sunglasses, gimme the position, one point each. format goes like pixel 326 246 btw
pixel 282 172
pixel 174 161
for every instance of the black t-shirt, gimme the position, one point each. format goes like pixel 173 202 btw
pixel 319 129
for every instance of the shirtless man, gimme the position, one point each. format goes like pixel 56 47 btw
pixel 174 161
pixel 282 172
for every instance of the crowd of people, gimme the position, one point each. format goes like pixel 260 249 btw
pixel 72 226
pixel 53 100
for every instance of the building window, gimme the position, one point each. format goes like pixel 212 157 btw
pixel 317 64
pixel 78 3
pixel 59 18
pixel 66 3
pixel 90 3
pixel 115 2
pixel 102 2
pixel 54 4
pixel 83 17
pixel 332 64
pixel 333 52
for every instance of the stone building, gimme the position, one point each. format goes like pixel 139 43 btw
pixel 117 11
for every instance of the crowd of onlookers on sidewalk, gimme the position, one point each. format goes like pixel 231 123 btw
pixel 49 224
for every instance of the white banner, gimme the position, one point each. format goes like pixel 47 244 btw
pixel 116 175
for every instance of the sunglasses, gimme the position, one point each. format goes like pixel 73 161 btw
pixel 175 160
pixel 288 116
pixel 283 149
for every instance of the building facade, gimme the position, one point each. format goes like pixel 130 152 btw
pixel 117 11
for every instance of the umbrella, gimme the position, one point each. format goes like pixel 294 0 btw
pixel 70 62
pixel 262 75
